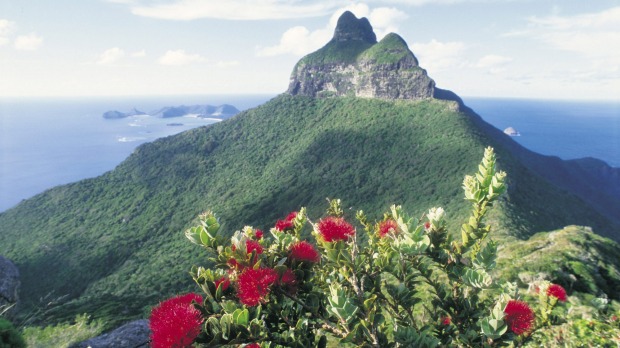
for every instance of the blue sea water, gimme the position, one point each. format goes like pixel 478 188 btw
pixel 567 129
pixel 48 142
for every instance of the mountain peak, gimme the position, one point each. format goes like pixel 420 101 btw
pixel 350 28
pixel 353 63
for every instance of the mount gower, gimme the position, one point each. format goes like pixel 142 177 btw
pixel 360 121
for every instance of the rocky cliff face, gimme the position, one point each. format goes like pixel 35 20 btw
pixel 9 285
pixel 353 63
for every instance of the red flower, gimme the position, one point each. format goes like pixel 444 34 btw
pixel 557 291
pixel 288 278
pixel 286 224
pixel 252 345
pixel 225 283
pixel 258 234
pixel 304 251
pixel 175 322
pixel 519 316
pixel 427 225
pixel 386 227
pixel 288 281
pixel 283 225
pixel 446 321
pixel 252 245
pixel 254 285
pixel 333 229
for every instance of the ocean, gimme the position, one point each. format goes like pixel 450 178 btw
pixel 49 142
pixel 567 129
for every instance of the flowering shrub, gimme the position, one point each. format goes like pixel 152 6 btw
pixel 519 317
pixel 405 283
pixel 176 322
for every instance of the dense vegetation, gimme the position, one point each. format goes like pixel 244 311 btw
pixel 112 246
pixel 391 49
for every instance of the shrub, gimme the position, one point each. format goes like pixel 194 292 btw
pixel 63 335
pixel 397 282
pixel 9 336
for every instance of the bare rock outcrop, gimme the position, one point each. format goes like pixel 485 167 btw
pixel 9 285
pixel 353 63
pixel 134 334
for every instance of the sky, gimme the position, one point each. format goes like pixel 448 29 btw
pixel 547 49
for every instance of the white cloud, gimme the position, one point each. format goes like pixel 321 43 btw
pixel 180 57
pixel 227 64
pixel 28 42
pixel 300 40
pixel 593 35
pixel 122 1
pixel 492 60
pixel 139 54
pixel 236 9
pixel 111 56
pixel 437 56
pixel 6 29
pixel 427 2
pixel 493 63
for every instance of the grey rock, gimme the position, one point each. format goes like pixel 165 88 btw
pixel 354 64
pixel 134 334
pixel 9 285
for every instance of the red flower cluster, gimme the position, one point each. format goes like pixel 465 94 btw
pixel 519 316
pixel 304 251
pixel 557 291
pixel 175 322
pixel 251 245
pixel 386 227
pixel 445 321
pixel 254 285
pixel 258 234
pixel 333 229
pixel 286 224
pixel 252 345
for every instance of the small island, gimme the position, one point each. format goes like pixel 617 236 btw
pixel 221 112
pixel 512 132
pixel 114 114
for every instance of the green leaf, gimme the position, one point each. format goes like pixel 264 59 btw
pixel 241 317
pixel 477 278
pixel 493 328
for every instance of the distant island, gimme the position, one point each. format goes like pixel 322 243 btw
pixel 113 114
pixel 512 132
pixel 222 112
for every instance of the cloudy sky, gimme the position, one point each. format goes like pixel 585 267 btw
pixel 562 49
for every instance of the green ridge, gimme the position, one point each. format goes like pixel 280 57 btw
pixel 390 50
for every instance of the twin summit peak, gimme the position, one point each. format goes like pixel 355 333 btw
pixel 354 64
